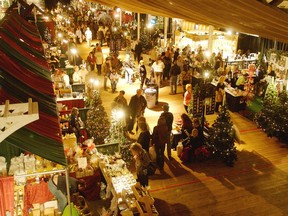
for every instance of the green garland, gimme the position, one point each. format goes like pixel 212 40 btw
pixel 278 53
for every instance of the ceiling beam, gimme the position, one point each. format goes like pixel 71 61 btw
pixel 263 1
pixel 275 2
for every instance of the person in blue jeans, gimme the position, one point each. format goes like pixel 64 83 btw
pixel 57 186
pixel 174 72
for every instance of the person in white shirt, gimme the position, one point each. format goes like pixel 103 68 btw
pixel 88 35
pixel 114 77
pixel 66 79
pixel 99 59
pixel 158 67
pixel 77 76
pixel 83 71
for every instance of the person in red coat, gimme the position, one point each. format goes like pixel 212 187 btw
pixel 91 61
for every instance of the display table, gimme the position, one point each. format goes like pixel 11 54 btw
pixel 71 102
pixel 197 80
pixel 234 100
pixel 242 63
pixel 126 194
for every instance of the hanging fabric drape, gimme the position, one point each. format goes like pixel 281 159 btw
pixel 24 73
pixel 7 195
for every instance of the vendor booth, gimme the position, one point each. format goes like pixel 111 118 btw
pixel 197 35
pixel 25 74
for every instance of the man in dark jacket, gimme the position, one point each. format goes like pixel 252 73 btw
pixel 174 72
pixel 169 122
pixel 138 51
pixel 137 107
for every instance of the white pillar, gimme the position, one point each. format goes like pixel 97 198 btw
pixel 210 39
pixel 165 30
pixel 120 19
pixel 275 44
pixel 138 26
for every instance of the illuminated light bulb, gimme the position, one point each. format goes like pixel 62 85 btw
pixel 74 51
pixel 229 32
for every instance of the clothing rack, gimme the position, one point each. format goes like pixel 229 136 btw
pixel 52 172
pixel 39 173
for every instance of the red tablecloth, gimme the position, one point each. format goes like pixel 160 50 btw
pixel 73 102
pixel 7 195
pixel 36 193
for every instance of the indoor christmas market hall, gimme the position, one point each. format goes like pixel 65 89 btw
pixel 133 117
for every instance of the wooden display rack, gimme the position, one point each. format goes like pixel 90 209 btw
pixel 16 116
pixel 146 201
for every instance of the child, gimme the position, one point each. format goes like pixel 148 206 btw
pixel 114 77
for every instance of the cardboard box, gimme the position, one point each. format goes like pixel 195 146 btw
pixel 51 204
pixel 36 212
pixel 49 211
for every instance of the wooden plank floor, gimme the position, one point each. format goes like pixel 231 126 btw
pixel 256 185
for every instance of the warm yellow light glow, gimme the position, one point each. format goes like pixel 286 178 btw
pixel 74 51
pixel 207 53
pixel 96 82
pixel 119 114
pixel 149 25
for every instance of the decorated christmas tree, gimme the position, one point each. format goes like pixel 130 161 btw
pixel 265 118
pixel 117 134
pixel 145 40
pixel 282 117
pixel 97 122
pixel 221 141
pixel 273 118
pixel 117 126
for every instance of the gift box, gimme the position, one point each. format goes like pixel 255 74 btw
pixel 69 141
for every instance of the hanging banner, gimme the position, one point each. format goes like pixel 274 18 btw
pixel 197 107
pixel 210 105
pixel 118 45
